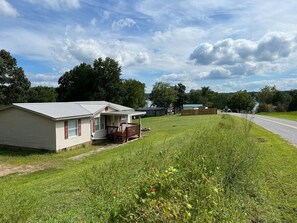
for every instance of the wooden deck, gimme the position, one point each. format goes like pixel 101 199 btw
pixel 123 133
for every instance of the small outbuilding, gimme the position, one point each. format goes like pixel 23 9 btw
pixel 62 125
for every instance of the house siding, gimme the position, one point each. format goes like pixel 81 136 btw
pixel 101 134
pixel 85 137
pixel 25 129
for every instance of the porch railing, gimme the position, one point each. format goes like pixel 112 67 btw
pixel 124 132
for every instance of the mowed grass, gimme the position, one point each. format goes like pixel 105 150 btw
pixel 19 156
pixel 187 169
pixel 284 115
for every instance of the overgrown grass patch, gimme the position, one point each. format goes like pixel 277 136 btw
pixel 277 167
pixel 33 157
pixel 204 176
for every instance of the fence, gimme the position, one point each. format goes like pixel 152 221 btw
pixel 209 111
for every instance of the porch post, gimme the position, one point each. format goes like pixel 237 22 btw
pixel 139 123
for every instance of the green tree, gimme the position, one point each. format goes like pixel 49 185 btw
pixel 163 95
pixel 207 96
pixel 266 95
pixel 195 97
pixel 204 96
pixel 180 97
pixel 14 85
pixel 107 82
pixel 241 101
pixel 76 84
pixel 86 82
pixel 293 103
pixel 42 94
pixel 271 99
pixel 220 100
pixel 133 93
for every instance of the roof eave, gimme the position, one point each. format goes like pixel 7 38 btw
pixel 73 117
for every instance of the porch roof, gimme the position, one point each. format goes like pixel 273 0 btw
pixel 122 113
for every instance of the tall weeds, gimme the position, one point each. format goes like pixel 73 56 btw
pixel 202 176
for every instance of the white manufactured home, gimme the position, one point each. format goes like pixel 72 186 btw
pixel 62 125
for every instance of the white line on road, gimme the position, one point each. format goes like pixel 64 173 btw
pixel 290 126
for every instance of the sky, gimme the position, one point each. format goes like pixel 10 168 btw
pixel 227 45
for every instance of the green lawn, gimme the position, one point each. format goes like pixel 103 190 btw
pixel 20 156
pixel 284 115
pixel 187 168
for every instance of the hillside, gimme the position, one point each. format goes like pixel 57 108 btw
pixel 188 168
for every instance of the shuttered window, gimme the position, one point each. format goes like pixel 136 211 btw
pixel 72 128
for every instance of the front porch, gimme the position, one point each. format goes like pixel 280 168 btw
pixel 117 126
pixel 124 132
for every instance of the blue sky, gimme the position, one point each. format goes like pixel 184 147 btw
pixel 226 45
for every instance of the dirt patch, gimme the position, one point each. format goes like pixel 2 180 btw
pixel 94 151
pixel 6 169
pixel 24 169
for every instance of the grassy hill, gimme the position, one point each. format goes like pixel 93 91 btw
pixel 284 115
pixel 187 169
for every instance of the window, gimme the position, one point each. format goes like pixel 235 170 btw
pixel 100 123
pixel 72 128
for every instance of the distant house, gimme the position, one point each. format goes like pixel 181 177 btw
pixel 63 125
pixel 192 106
pixel 158 111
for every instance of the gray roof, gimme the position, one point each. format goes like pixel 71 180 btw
pixel 67 110
pixel 131 113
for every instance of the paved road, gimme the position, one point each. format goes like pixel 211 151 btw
pixel 285 128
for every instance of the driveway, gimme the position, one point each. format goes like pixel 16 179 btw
pixel 285 128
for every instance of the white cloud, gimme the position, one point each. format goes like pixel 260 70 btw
pixel 33 44
pixel 142 58
pixel 171 46
pixel 57 5
pixel 87 50
pixel 232 86
pixel 271 47
pixel 122 23
pixel 105 15
pixel 219 73
pixel 93 22
pixel 178 34
pixel 174 77
pixel 7 9
pixel 43 79
pixel 79 29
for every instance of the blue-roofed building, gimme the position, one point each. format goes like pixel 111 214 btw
pixel 192 106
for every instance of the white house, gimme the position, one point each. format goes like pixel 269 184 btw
pixel 62 125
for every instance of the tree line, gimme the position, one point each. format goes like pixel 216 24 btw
pixel 85 82
pixel 102 81
pixel 269 98
pixel 165 95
